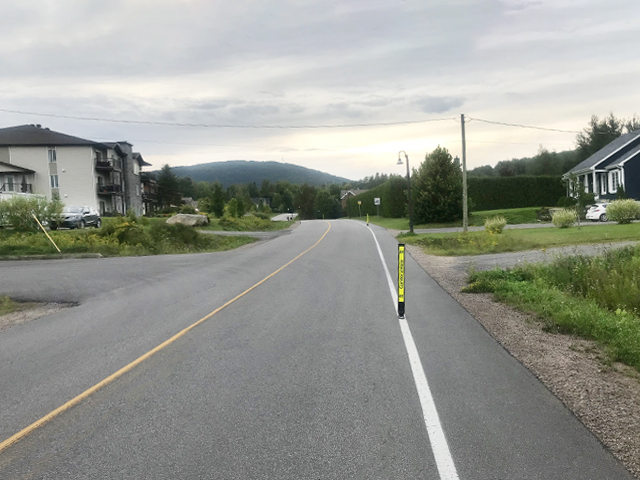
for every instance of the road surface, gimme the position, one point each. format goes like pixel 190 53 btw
pixel 307 375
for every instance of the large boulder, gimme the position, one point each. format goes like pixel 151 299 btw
pixel 190 220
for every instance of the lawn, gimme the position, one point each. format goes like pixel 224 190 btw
pixel 513 240
pixel 513 215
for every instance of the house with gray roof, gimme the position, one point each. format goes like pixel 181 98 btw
pixel 40 161
pixel 614 166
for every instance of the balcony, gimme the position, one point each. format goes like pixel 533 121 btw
pixel 16 187
pixel 149 196
pixel 109 189
pixel 108 164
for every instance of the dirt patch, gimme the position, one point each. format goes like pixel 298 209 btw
pixel 606 398
pixel 28 312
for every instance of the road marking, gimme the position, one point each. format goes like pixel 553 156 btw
pixel 50 416
pixel 439 445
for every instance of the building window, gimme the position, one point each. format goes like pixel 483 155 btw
pixel 54 181
pixel 8 183
pixel 51 153
pixel 138 190
pixel 136 168
pixel 614 181
pixel 603 183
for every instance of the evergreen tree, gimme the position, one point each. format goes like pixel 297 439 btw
pixel 598 134
pixel 305 201
pixel 217 199
pixel 168 188
pixel 437 186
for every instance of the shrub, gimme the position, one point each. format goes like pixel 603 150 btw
pixel 263 216
pixel 495 224
pixel 623 211
pixel 565 202
pixel 17 212
pixel 564 218
pixel 188 209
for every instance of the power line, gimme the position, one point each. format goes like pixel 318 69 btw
pixel 224 125
pixel 522 126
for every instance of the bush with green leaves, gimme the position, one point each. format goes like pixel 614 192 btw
pixel 18 212
pixel 623 211
pixel 564 218
pixel 495 224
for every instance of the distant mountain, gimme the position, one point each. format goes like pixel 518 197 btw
pixel 243 171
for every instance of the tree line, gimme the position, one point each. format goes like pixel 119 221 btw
pixel 269 197
pixel 598 134
pixel 436 183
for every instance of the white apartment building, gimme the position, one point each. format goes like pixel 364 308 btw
pixel 105 176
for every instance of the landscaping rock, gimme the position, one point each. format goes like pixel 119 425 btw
pixel 190 220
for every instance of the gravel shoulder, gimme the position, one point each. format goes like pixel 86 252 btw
pixel 28 312
pixel 605 397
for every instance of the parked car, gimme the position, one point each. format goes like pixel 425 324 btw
pixel 597 212
pixel 77 217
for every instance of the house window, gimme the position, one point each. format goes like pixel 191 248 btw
pixel 54 181
pixel 614 181
pixel 136 168
pixel 9 183
pixel 138 190
pixel 603 183
pixel 51 153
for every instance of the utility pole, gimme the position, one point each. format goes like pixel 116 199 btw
pixel 465 212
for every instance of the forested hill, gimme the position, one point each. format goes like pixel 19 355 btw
pixel 243 171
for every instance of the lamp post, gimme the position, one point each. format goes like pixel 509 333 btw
pixel 406 157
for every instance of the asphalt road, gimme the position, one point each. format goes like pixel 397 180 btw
pixel 306 376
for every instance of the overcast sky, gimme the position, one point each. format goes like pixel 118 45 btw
pixel 297 63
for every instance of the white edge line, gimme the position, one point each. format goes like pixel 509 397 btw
pixel 439 445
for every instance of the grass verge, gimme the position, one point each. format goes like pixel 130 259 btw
pixel 7 305
pixel 478 243
pixel 120 237
pixel 513 216
pixel 569 299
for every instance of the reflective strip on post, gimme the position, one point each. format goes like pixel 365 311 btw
pixel 401 280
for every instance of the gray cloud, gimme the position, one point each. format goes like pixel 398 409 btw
pixel 429 104
pixel 305 62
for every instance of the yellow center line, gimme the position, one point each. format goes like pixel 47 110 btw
pixel 74 401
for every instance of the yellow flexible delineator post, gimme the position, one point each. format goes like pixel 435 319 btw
pixel 367 219
pixel 401 280
pixel 45 232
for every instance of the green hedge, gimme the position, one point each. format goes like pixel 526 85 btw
pixel 392 195
pixel 492 193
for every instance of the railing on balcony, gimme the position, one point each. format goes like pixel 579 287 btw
pixel 109 189
pixel 149 196
pixel 16 187
pixel 108 163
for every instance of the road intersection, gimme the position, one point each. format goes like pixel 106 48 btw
pixel 306 375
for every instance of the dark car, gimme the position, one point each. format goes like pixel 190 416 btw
pixel 77 217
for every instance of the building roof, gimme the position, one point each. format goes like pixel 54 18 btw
pixel 138 156
pixel 350 193
pixel 11 168
pixel 35 135
pixel 607 153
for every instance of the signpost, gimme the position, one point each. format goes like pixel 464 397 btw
pixel 401 280
pixel 359 210
pixel 376 202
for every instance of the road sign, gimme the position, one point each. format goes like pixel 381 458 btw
pixel 401 280
pixel 376 201
pixel 359 202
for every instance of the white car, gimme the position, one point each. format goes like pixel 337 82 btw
pixel 597 212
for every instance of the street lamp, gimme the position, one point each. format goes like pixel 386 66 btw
pixel 406 157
